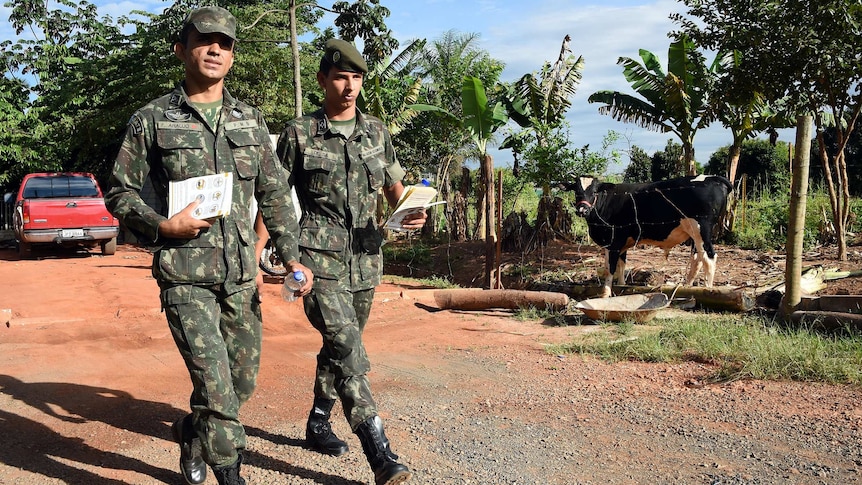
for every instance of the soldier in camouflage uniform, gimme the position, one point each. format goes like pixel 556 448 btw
pixel 339 158
pixel 206 269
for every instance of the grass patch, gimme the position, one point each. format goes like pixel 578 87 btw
pixel 549 316
pixel 747 347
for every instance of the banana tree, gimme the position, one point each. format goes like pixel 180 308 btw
pixel 481 120
pixel 538 104
pixel 673 101
pixel 377 90
pixel 743 113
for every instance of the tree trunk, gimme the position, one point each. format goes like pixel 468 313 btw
pixel 796 222
pixel 479 232
pixel 490 231
pixel 498 249
pixel 733 160
pixel 688 155
pixel 839 191
pixel 460 225
pixel 297 68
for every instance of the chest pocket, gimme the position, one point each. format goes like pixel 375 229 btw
pixel 245 146
pixel 181 145
pixel 319 167
pixel 375 166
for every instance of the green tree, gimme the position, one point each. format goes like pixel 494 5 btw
pixel 766 166
pixel 366 19
pixel 57 58
pixel 744 113
pixel 674 101
pixel 638 169
pixel 538 103
pixel 267 50
pixel 391 91
pixel 664 164
pixel 363 18
pixel 18 132
pixel 436 142
pixel 808 51
pixel 852 157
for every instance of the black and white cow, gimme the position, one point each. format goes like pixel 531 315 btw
pixel 663 214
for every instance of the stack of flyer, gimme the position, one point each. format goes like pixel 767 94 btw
pixel 215 193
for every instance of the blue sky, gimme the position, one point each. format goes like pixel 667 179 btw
pixel 526 37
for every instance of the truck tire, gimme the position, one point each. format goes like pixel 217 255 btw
pixel 109 247
pixel 24 250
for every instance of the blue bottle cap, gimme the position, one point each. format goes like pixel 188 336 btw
pixel 298 276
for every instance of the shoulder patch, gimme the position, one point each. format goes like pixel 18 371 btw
pixel 136 124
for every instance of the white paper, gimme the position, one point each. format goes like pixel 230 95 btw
pixel 414 199
pixel 214 191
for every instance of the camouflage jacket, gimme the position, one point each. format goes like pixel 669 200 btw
pixel 169 140
pixel 337 183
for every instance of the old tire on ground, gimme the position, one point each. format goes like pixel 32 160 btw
pixel 109 247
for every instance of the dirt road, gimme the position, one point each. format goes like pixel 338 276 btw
pixel 90 380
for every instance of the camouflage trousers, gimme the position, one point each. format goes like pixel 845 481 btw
pixel 342 364
pixel 219 336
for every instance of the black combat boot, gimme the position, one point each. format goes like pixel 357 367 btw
pixel 192 464
pixel 386 470
pixel 229 475
pixel 318 430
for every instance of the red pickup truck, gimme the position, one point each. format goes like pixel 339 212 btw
pixel 63 209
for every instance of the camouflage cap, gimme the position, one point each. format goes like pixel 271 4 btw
pixel 208 20
pixel 342 55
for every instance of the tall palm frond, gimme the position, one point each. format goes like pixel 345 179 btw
pixel 673 101
pixel 372 99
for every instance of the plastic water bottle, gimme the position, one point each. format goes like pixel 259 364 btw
pixel 292 282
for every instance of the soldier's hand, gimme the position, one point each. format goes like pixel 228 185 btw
pixel 183 224
pixel 305 289
pixel 414 220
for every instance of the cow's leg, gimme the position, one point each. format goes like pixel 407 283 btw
pixel 620 273
pixel 709 268
pixel 694 264
pixel 694 230
pixel 611 260
pixel 709 256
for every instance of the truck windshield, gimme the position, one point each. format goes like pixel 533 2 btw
pixel 60 186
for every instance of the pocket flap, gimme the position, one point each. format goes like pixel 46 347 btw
pixel 172 136
pixel 242 138
pixel 323 238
